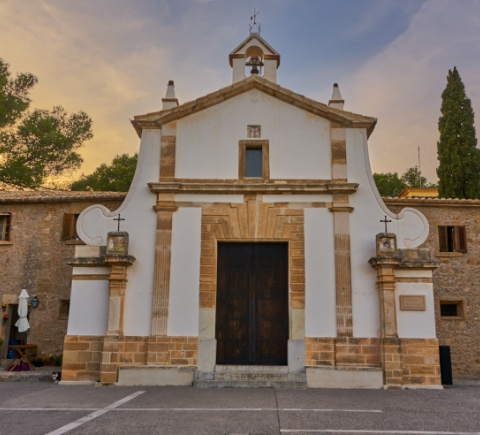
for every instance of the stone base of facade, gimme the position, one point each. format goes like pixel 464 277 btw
pixel 344 377
pixel 82 358
pixel 98 358
pixel 421 363
pixel 332 362
pixel 180 376
pixel 351 362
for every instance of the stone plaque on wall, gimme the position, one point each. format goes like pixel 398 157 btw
pixel 412 303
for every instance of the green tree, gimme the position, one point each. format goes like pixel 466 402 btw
pixel 389 184
pixel 116 177
pixel 413 178
pixel 459 159
pixel 39 144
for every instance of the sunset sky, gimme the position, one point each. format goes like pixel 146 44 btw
pixel 113 59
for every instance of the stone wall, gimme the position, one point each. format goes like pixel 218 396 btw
pixel 457 278
pixel 82 358
pixel 35 256
pixel 342 351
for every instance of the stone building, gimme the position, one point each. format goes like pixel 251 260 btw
pixel 248 250
pixel 454 237
pixel 37 235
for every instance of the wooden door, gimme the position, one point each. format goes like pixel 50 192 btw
pixel 252 303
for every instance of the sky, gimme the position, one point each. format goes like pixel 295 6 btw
pixel 113 59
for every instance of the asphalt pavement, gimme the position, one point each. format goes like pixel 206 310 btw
pixel 47 408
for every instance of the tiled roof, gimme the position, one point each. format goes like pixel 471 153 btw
pixel 15 196
pixel 431 201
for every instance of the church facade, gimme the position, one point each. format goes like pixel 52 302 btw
pixel 249 251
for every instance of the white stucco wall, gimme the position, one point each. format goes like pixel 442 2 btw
pixel 320 311
pixel 410 226
pixel 183 311
pixel 140 222
pixel 207 148
pixel 207 142
pixel 88 308
pixel 415 324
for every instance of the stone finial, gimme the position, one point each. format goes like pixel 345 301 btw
pixel 337 100
pixel 170 100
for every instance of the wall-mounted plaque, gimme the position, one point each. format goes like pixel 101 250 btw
pixel 386 245
pixel 254 131
pixel 412 303
pixel 117 243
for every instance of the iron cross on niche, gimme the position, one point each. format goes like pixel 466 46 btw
pixel 385 221
pixel 118 219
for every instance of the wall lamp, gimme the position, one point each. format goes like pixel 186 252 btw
pixel 35 301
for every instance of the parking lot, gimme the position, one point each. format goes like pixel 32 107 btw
pixel 47 408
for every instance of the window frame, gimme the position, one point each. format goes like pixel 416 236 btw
pixel 6 233
pixel 63 309
pixel 69 229
pixel 243 146
pixel 452 239
pixel 459 302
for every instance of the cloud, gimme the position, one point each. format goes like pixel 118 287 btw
pixel 113 59
pixel 87 61
pixel 402 85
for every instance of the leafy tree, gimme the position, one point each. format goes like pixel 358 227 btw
pixel 413 178
pixel 459 159
pixel 389 184
pixel 39 144
pixel 116 177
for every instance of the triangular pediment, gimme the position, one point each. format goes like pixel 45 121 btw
pixel 345 119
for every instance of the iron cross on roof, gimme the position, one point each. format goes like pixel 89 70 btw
pixel 118 218
pixel 385 221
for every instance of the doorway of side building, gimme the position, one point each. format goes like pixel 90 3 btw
pixel 251 325
pixel 13 336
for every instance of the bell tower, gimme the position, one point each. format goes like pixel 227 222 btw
pixel 254 56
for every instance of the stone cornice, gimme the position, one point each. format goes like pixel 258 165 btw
pixel 311 187
pixel 125 260
pixel 407 259
pixel 86 261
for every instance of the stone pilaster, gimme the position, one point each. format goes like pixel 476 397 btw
pixel 117 286
pixel 343 273
pixel 116 307
pixel 167 157
pixel 161 285
pixel 391 357
pixel 341 211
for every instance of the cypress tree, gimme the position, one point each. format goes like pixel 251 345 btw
pixel 459 158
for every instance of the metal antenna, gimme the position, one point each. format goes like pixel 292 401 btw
pixel 254 26
pixel 419 169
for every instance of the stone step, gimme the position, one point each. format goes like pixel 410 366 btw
pixel 28 376
pixel 277 385
pixel 276 377
pixel 254 377
pixel 250 369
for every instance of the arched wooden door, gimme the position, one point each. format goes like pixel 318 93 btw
pixel 252 303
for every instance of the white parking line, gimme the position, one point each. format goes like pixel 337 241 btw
pixel 352 431
pixel 94 415
pixel 248 410
pixel 196 409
